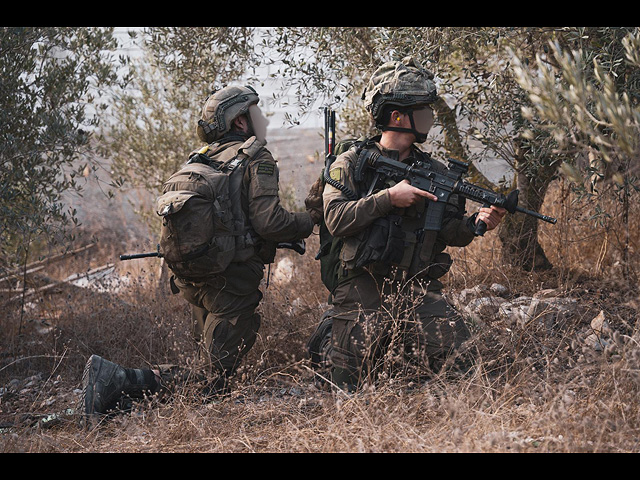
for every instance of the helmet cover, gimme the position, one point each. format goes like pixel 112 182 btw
pixel 404 84
pixel 221 108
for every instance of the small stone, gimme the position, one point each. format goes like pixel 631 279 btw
pixel 499 290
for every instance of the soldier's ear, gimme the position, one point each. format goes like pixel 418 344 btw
pixel 241 123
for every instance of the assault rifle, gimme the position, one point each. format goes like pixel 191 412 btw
pixel 134 256
pixel 298 246
pixel 442 185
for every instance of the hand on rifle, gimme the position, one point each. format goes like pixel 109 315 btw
pixel 491 216
pixel 403 194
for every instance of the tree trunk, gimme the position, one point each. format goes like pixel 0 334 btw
pixel 519 232
pixel 453 141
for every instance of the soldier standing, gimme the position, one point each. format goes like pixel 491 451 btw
pixel 225 320
pixel 380 293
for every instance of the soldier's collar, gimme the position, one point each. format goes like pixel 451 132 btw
pixel 392 154
pixel 234 137
pixel 415 153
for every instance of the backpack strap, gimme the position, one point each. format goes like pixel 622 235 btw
pixel 251 148
pixel 248 150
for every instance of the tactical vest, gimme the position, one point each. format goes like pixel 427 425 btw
pixel 396 240
pixel 204 225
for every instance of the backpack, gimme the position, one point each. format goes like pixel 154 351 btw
pixel 204 227
pixel 330 246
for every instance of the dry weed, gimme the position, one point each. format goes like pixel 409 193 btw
pixel 533 388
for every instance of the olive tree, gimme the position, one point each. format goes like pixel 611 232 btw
pixel 481 109
pixel 153 125
pixel 52 82
pixel 586 95
pixel 485 111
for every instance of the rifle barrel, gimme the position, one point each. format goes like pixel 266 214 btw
pixel 139 255
pixel 468 190
pixel 537 215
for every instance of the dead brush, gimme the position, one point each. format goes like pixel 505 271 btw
pixel 531 388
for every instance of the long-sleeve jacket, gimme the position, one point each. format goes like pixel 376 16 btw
pixel 350 219
pixel 260 193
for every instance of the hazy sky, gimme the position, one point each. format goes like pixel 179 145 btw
pixel 275 112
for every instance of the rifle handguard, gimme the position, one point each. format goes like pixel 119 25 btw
pixel 510 204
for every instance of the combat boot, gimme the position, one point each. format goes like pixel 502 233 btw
pixel 105 384
pixel 319 350
pixel 343 380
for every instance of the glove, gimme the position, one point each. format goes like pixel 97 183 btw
pixel 314 204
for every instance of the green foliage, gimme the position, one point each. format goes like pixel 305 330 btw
pixel 50 75
pixel 588 100
pixel 586 95
pixel 203 58
pixel 536 98
pixel 151 131
pixel 153 121
pixel 490 113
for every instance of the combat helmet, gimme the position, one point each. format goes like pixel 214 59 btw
pixel 403 84
pixel 221 108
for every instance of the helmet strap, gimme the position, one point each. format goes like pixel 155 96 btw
pixel 420 137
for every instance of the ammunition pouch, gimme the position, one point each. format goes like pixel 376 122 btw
pixel 383 242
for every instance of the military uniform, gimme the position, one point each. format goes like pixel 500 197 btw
pixel 370 300
pixel 388 299
pixel 225 321
pixel 224 306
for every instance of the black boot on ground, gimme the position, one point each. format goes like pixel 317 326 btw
pixel 105 384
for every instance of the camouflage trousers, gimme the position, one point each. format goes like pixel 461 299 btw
pixel 379 323
pixel 225 321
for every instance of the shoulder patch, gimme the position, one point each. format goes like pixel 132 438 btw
pixel 266 168
pixel 336 174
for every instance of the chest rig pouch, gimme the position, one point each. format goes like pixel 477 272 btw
pixel 395 240
pixel 383 242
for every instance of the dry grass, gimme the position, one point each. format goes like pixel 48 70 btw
pixel 534 389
